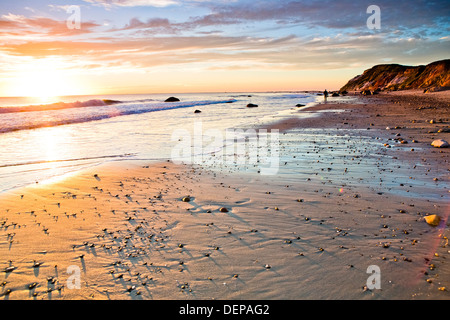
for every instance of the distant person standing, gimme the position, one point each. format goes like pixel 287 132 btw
pixel 325 95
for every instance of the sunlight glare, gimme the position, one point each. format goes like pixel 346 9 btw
pixel 43 81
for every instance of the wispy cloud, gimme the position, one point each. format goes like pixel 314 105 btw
pixel 19 25
pixel 132 3
pixel 282 36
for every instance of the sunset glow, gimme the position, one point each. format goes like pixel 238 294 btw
pixel 136 46
pixel 42 81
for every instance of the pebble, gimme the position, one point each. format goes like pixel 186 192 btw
pixel 33 285
pixel 433 220
pixel 9 269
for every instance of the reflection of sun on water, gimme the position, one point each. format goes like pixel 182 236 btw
pixel 50 145
pixel 53 147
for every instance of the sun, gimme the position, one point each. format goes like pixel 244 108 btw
pixel 43 81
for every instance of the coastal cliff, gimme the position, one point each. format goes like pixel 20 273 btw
pixel 432 77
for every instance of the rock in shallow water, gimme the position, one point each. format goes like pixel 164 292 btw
pixel 172 99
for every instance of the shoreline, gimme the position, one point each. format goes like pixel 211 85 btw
pixel 126 227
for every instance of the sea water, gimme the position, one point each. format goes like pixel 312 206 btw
pixel 39 141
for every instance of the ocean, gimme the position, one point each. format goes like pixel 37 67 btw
pixel 40 141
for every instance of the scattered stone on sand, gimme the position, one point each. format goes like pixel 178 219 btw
pixel 9 269
pixel 186 199
pixel 223 209
pixel 251 105
pixel 433 220
pixel 439 143
pixel 197 111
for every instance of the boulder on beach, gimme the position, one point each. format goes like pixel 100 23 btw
pixel 172 99
pixel 433 220
pixel 197 111
pixel 251 105
pixel 440 143
pixel 335 94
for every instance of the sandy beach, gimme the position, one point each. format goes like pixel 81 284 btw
pixel 350 195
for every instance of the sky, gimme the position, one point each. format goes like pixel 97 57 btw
pixel 80 47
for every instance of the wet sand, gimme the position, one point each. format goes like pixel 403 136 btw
pixel 341 202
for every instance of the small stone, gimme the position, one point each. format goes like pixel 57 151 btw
pixel 36 264
pixel 223 209
pixel 9 269
pixel 186 199
pixel 440 143
pixel 433 220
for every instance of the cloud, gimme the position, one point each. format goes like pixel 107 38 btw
pixel 132 3
pixel 328 14
pixel 315 36
pixel 20 25
pixel 153 26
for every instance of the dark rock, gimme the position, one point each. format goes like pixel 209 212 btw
pixel 197 111
pixel 172 99
pixel 251 105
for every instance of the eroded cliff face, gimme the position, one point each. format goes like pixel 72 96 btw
pixel 434 76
